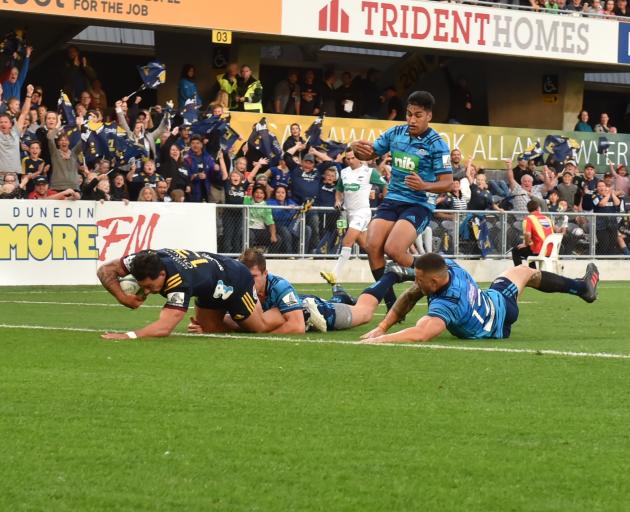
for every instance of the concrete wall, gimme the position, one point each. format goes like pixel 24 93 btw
pixel 515 96
pixel 358 271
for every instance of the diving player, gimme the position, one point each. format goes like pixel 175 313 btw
pixel 421 170
pixel 458 305
pixel 219 284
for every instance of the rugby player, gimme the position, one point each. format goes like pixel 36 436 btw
pixel 219 284
pixel 421 170
pixel 295 314
pixel 457 304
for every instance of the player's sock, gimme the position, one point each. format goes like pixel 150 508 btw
pixel 343 259
pixel 382 287
pixel 553 283
pixel 390 296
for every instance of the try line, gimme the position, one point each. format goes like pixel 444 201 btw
pixel 428 346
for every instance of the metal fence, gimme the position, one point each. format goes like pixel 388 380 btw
pixel 317 233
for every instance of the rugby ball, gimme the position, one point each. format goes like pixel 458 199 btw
pixel 130 286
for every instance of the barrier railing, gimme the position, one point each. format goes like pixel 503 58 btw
pixel 317 233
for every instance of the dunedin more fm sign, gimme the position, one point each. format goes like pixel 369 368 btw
pixel 33 231
pixel 262 17
pixel 454 26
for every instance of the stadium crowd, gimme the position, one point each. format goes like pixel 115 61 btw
pixel 82 149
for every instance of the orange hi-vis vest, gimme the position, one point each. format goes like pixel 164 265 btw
pixel 540 227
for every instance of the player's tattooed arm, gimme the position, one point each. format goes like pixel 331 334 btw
pixel 108 274
pixel 404 303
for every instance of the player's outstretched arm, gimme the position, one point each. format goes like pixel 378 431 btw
pixel 401 307
pixel 108 274
pixel 427 328
pixel 293 323
pixel 169 318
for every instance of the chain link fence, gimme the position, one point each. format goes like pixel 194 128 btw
pixel 317 233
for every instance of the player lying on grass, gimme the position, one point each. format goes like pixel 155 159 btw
pixel 221 285
pixel 458 305
pixel 295 314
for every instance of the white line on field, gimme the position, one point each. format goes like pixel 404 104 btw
pixel 99 304
pixel 470 348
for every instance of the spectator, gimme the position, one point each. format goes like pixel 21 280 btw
pixel 589 186
pixel 186 88
pixel 327 219
pixel 42 191
pixel 609 10
pixel 161 190
pixel 287 225
pixel 249 91
pixel 91 190
pixel 294 138
pixel 348 97
pixel 574 6
pixel 329 95
pixel 148 195
pixel 525 191
pixel 235 191
pixel 200 166
pixel 522 168
pixel 10 188
pixel 139 135
pixel 228 86
pixel 12 108
pixel 567 190
pixel 36 99
pixel 480 196
pixel 536 227
pixel 582 124
pixel 395 111
pixel 33 165
pixel 607 232
pixel 453 200
pixel 85 100
pixel 459 171
pixel 78 74
pixel 279 175
pixel 603 126
pixel 10 133
pixel 262 229
pixel 311 96
pixel 594 8
pixel 12 86
pixel 286 97
pixel 620 179
pixel 174 171
pixel 64 160
pixel 99 96
pixel 371 95
pixel 118 188
pixel 621 8
pixel 177 196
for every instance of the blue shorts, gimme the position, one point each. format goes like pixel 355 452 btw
pixel 242 300
pixel 510 293
pixel 393 211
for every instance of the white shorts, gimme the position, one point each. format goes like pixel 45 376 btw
pixel 359 219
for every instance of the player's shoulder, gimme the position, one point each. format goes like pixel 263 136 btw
pixel 396 131
pixel 435 140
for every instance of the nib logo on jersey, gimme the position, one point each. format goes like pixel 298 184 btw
pixel 405 162
pixel 333 19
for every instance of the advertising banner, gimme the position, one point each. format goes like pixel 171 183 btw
pixel 260 17
pixel 489 146
pixel 454 26
pixel 63 242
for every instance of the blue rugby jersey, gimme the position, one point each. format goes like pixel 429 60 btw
pixel 279 293
pixel 468 311
pixel 427 155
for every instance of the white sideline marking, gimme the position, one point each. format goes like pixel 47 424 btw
pixel 99 304
pixel 546 352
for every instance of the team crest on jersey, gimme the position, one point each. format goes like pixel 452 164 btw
pixel 422 152
pixel 176 298
pixel 290 299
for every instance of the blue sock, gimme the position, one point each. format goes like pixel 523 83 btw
pixel 390 296
pixel 383 287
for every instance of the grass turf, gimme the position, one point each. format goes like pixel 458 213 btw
pixel 239 424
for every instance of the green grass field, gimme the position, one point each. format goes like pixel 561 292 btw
pixel 315 422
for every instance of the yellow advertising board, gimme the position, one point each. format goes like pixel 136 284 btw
pixel 262 17
pixel 489 147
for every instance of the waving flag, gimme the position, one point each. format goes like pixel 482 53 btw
pixel 190 112
pixel 332 148
pixel 314 132
pixel 210 124
pixel 229 138
pixel 265 142
pixel 152 75
pixel 534 153
pixel 64 108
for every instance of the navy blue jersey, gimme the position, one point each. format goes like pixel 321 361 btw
pixel 279 293
pixel 468 311
pixel 426 155
pixel 218 282
pixel 278 177
pixel 326 308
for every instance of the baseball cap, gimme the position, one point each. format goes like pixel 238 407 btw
pixel 40 179
pixel 570 162
pixel 308 158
